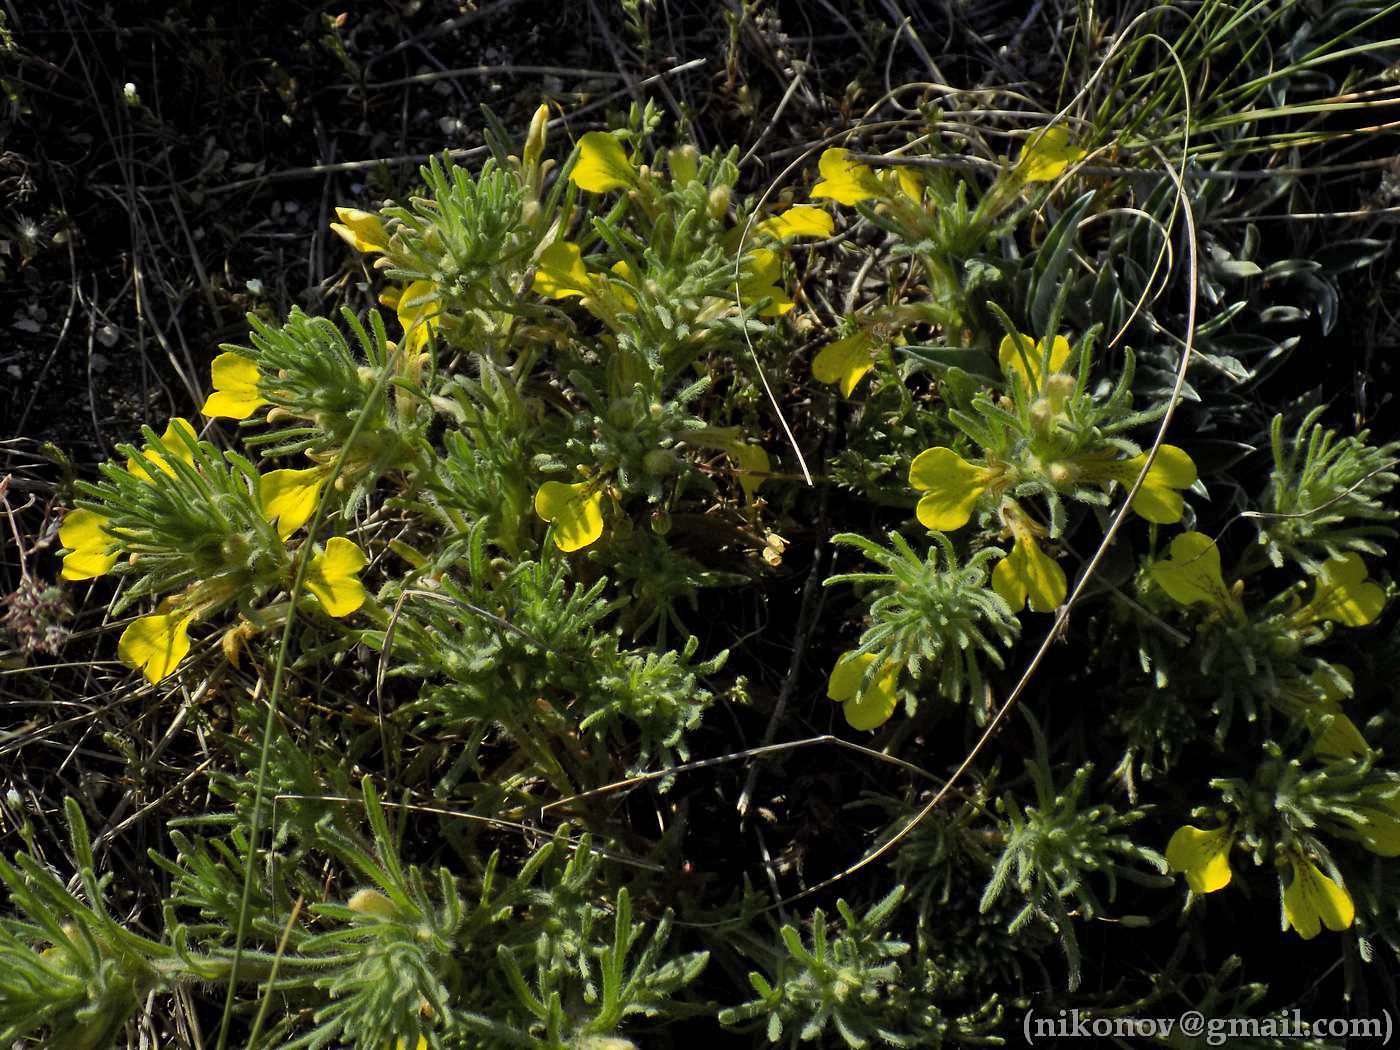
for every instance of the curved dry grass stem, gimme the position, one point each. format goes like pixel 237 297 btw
pixel 735 756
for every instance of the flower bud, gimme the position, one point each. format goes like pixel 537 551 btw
pixel 536 136
pixel 1041 414
pixel 372 902
pixel 1058 387
pixel 719 202
pixel 683 164
pixel 660 521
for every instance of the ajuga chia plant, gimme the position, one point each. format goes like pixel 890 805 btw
pixel 439 578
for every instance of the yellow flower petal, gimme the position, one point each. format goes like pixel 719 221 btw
pixel 362 230
pixel 762 273
pixel 1024 363
pixel 173 444
pixel 419 312
pixel 866 708
pixel 621 292
pixel 800 221
pixel 575 512
pixel 845 361
pixel 235 381
pixel 91 551
pixel 844 180
pixel 1158 500
pixel 1313 900
pixel 753 461
pixel 1339 738
pixel 953 486
pixel 333 577
pixel 844 681
pixel 1046 155
pixel 88 564
pixel 1029 573
pixel 155 644
pixel 1381 832
pixel 1343 594
pixel 560 272
pixel 602 165
pixel 1203 856
pixel 289 497
pixel 83 528
pixel 1192 573
pixel 909 183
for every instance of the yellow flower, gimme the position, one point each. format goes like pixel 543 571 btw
pixel 91 552
pixel 156 644
pixel 619 291
pixel 1313 900
pixel 1158 500
pixel 422 1041
pixel 1381 832
pixel 1316 700
pixel 762 271
pixel 753 465
pixel 560 272
pixel 1343 595
pixel 844 180
pixel 1192 574
pixel 176 447
pixel 333 577
pixel 235 380
pixel 419 313
pixel 1203 856
pixel 951 486
pixel 1025 363
pixel 845 361
pixel 362 230
pixel 1046 155
pixel 909 183
pixel 602 165
pixel 868 707
pixel 1337 735
pixel 800 221
pixel 574 510
pixel 536 137
pixel 289 497
pixel 1028 572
